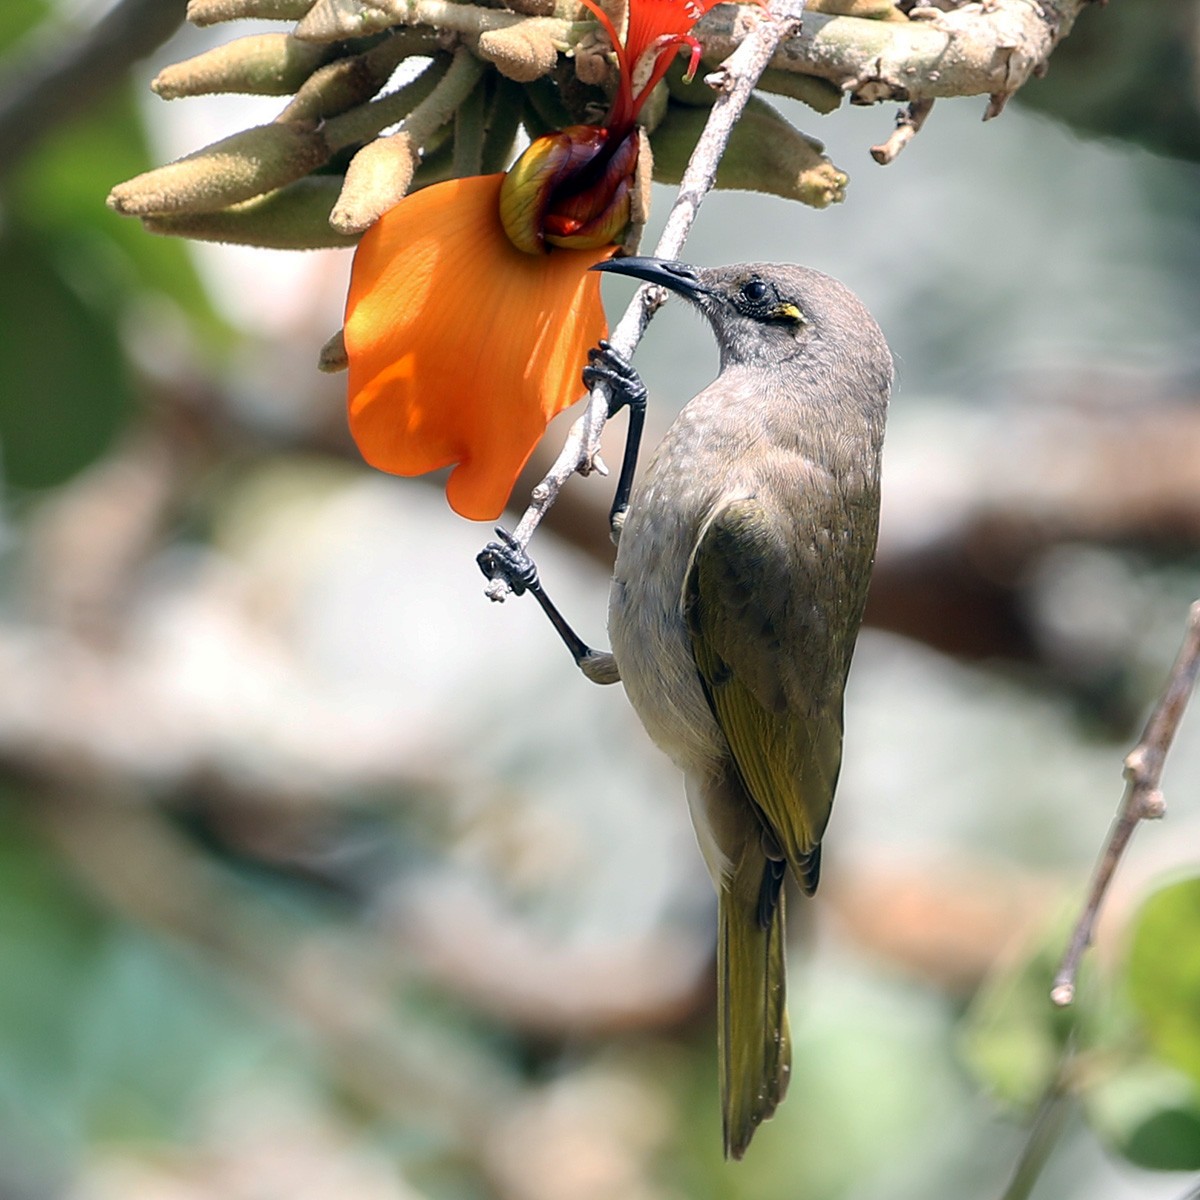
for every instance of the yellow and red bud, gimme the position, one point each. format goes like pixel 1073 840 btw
pixel 569 189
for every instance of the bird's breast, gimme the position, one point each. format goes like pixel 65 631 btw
pixel 649 637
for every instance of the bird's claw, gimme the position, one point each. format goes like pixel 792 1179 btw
pixel 608 365
pixel 506 559
pixel 616 521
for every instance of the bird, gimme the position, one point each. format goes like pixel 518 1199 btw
pixel 743 563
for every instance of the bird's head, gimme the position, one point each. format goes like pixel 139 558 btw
pixel 770 313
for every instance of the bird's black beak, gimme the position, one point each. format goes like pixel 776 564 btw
pixel 677 276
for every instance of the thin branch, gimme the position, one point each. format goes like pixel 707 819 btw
pixel 1043 1137
pixel 1143 799
pixel 736 80
pixel 908 124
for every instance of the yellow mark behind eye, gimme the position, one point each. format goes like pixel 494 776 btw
pixel 788 312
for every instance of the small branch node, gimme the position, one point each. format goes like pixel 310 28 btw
pixel 908 124
pixel 1153 805
pixel 1063 995
pixel 1143 799
pixel 995 106
pixel 1136 766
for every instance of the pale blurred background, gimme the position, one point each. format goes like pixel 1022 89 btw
pixel 321 876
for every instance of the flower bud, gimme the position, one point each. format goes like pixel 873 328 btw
pixel 334 20
pixel 295 217
pixel 236 168
pixel 378 176
pixel 264 64
pixel 569 189
pixel 210 12
pixel 765 154
pixel 523 52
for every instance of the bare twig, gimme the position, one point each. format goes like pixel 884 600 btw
pixel 1143 799
pixel 1043 1137
pixel 736 80
pixel 908 124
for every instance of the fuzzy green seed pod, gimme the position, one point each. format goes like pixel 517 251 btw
pixel 333 356
pixel 236 168
pixel 765 154
pixel 379 176
pixel 819 94
pixel 872 10
pixel 524 52
pixel 593 59
pixel 212 12
pixel 359 125
pixel 639 194
pixel 654 107
pixel 348 82
pixel 533 8
pixel 266 64
pixel 293 218
pixel 334 20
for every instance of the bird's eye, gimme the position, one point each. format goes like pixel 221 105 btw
pixel 754 290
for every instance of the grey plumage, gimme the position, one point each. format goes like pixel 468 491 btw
pixel 740 581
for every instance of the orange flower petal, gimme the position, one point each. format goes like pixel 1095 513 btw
pixel 462 347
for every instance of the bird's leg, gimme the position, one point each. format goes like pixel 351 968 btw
pixel 627 390
pixel 506 559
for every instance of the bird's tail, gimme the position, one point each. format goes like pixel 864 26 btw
pixel 755 1050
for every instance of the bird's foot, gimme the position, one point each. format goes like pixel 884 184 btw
pixel 506 559
pixel 607 364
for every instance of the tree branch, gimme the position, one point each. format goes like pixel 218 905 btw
pixel 1043 1137
pixel 1143 799
pixel 977 50
pixel 736 80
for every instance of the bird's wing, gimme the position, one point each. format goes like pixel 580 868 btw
pixel 763 652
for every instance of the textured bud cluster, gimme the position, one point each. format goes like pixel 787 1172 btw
pixel 324 169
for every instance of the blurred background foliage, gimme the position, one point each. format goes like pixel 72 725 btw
pixel 320 876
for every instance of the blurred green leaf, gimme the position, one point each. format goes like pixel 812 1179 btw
pixel 1149 1114
pixel 1013 1037
pixel 17 18
pixel 1164 973
pixel 61 192
pixel 66 390
pixel 863 1047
